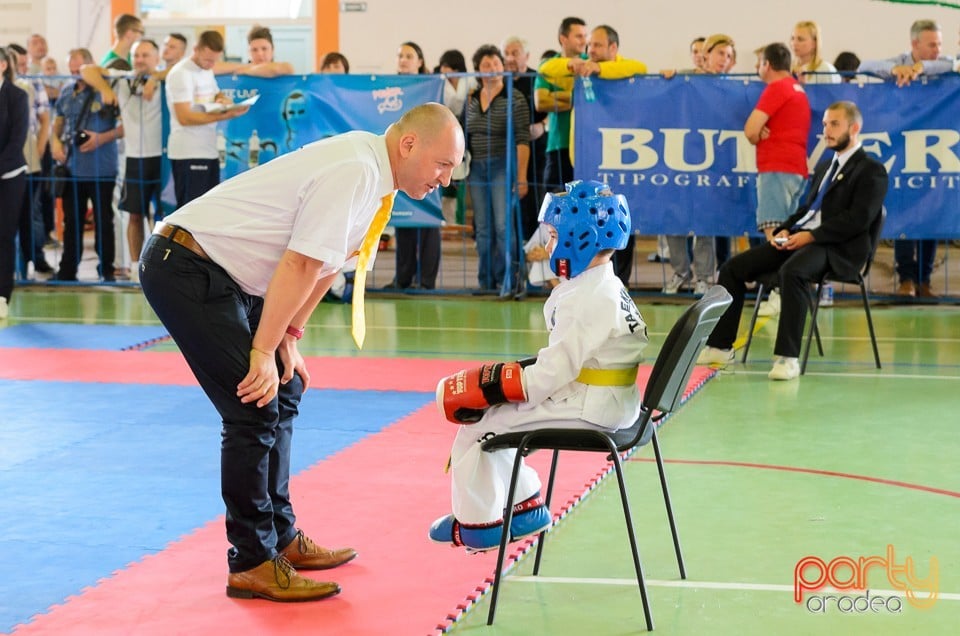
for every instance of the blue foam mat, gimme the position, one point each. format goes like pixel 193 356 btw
pixel 95 476
pixel 72 336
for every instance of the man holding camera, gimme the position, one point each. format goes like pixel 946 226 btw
pixel 84 142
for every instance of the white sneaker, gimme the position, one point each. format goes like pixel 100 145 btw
pixel 4 309
pixel 785 369
pixel 701 288
pixel 771 306
pixel 716 357
pixel 675 283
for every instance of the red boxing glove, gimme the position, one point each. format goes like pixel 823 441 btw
pixel 464 396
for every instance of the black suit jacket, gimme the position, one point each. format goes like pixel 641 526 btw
pixel 851 204
pixel 14 125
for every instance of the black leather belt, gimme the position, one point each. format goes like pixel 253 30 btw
pixel 181 237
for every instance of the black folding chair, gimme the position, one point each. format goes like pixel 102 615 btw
pixel 665 388
pixel 768 281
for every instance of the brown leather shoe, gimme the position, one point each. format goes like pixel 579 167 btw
pixel 276 580
pixel 906 288
pixel 924 291
pixel 304 554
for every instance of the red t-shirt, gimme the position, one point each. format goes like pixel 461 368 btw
pixel 785 150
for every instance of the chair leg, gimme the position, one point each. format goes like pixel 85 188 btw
pixel 873 335
pixel 541 536
pixel 628 516
pixel 815 307
pixel 666 501
pixel 505 534
pixel 753 322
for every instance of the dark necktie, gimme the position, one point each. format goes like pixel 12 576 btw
pixel 818 201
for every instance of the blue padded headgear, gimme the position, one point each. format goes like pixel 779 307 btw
pixel 588 218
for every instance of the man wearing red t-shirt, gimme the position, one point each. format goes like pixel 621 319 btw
pixel 779 127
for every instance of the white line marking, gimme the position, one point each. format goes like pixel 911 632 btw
pixel 877 375
pixel 713 585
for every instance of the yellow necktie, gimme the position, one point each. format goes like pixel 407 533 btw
pixel 370 240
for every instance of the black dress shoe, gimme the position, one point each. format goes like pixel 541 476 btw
pixel 65 277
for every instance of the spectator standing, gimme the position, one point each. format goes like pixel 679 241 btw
pixel 556 99
pixel 914 258
pixel 192 145
pixel 84 139
pixel 260 51
pixel 456 91
pixel 335 63
pixel 418 248
pixel 779 127
pixel 847 62
pixel 14 124
pixel 807 41
pixel 491 188
pixel 604 61
pixel 718 58
pixel 516 59
pixel 127 29
pixel 31 229
pixel 174 48
pixel 36 50
pixel 142 139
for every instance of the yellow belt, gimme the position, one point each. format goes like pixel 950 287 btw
pixel 608 377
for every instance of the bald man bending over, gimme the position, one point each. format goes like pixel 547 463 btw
pixel 235 274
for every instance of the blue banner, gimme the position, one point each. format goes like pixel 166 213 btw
pixel 676 149
pixel 295 110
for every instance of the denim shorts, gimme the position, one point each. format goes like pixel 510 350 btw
pixel 778 196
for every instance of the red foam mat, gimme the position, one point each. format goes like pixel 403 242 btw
pixel 378 496
pixel 169 367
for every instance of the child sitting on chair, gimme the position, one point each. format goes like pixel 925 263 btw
pixel 584 378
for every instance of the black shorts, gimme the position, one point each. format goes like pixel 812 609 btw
pixel 193 178
pixel 141 185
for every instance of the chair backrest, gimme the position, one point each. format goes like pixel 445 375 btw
pixel 671 372
pixel 875 229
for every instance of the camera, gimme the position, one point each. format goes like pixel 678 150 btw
pixel 80 138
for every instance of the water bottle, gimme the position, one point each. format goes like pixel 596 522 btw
pixel 222 149
pixel 254 145
pixel 826 295
pixel 588 90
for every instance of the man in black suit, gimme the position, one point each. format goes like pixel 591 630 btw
pixel 830 230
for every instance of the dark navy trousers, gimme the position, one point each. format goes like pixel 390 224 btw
pixel 213 321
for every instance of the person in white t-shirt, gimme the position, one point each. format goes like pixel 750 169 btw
pixel 234 276
pixel 141 115
pixel 192 145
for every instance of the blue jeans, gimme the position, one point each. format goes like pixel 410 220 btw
pixel 488 191
pixel 213 321
pixel 914 259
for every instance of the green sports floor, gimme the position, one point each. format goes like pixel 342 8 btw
pixel 852 468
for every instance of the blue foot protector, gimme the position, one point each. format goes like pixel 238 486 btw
pixel 529 517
